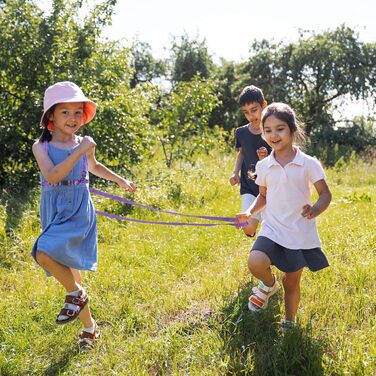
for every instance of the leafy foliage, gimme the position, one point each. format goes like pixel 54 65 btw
pixel 340 144
pixel 121 128
pixel 182 118
pixel 226 114
pixel 146 67
pixel 37 50
pixel 313 72
pixel 190 58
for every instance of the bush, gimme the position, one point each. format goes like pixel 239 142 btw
pixel 339 145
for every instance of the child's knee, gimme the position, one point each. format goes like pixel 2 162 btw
pixel 42 258
pixel 291 284
pixel 257 261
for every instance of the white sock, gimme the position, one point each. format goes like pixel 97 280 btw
pixel 71 306
pixel 289 322
pixel 76 292
pixel 91 329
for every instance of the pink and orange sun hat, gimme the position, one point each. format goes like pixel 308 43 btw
pixel 65 92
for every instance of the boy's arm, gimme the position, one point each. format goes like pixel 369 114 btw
pixel 238 165
pixel 322 202
pixel 103 172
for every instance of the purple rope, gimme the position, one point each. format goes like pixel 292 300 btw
pixel 167 223
pixel 129 202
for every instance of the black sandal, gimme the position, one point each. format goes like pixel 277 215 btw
pixel 79 301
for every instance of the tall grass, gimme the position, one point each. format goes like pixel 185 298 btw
pixel 172 300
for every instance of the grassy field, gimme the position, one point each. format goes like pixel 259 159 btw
pixel 172 300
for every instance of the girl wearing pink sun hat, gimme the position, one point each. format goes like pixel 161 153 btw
pixel 68 242
pixel 66 92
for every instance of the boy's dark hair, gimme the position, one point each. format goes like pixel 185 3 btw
pixel 251 94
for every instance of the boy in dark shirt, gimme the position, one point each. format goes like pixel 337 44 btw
pixel 251 148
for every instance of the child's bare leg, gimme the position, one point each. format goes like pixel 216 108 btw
pixel 61 272
pixel 85 314
pixel 291 285
pixel 77 275
pixel 251 228
pixel 259 265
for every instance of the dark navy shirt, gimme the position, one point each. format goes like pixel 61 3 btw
pixel 249 142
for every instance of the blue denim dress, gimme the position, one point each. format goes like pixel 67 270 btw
pixel 69 230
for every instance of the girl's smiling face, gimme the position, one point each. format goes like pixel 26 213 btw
pixel 277 134
pixel 68 116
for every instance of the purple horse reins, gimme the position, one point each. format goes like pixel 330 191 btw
pixel 230 221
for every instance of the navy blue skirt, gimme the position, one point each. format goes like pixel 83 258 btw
pixel 291 260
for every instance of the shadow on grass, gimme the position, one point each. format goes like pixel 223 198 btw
pixel 15 203
pixel 254 345
pixel 58 366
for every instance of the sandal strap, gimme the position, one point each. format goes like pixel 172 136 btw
pixel 260 294
pixel 87 340
pixel 262 286
pixel 68 312
pixel 72 307
pixel 87 335
pixel 288 323
pixel 256 301
pixel 76 300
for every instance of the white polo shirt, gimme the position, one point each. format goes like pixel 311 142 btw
pixel 288 190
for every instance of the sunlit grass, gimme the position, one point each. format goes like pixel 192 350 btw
pixel 172 300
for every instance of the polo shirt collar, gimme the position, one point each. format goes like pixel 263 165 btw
pixel 272 161
pixel 298 159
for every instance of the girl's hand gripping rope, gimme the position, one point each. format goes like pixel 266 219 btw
pixel 242 219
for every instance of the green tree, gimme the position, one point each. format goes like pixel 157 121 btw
pixel 190 58
pixel 325 67
pixel 20 23
pixel 37 50
pixel 183 118
pixel 313 72
pixel 226 113
pixel 265 69
pixel 122 128
pixel 146 67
